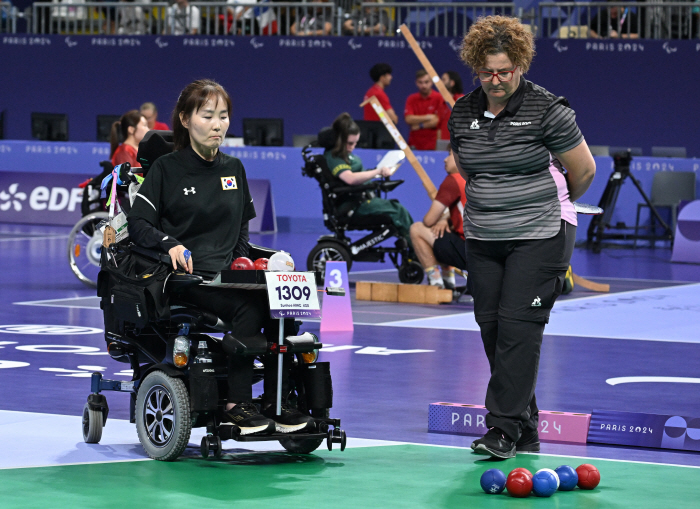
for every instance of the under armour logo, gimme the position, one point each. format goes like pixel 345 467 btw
pixel 536 303
pixel 475 125
pixel 190 190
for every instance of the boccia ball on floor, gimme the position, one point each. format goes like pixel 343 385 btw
pixel 493 481
pixel 524 470
pixel 588 476
pixel 519 484
pixel 545 482
pixel 568 478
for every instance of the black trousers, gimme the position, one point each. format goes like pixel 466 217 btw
pixel 514 284
pixel 249 312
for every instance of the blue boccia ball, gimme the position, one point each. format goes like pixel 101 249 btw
pixel 568 478
pixel 544 483
pixel 493 481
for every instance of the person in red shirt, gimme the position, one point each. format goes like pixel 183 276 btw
pixel 150 111
pixel 422 113
pixel 381 75
pixel 439 238
pixel 125 137
pixel 453 83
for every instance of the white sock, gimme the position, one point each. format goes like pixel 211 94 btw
pixel 434 275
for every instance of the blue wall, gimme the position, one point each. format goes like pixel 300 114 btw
pixel 617 89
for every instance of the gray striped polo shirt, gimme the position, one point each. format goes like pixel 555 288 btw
pixel 513 191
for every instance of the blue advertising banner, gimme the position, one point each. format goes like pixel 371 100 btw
pixel 645 430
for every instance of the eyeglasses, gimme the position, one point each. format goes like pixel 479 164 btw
pixel 502 76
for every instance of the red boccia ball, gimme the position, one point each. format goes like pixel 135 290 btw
pixel 261 263
pixel 588 476
pixel 519 484
pixel 524 470
pixel 242 263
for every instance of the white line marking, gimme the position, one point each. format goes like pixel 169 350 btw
pixel 654 379
pixel 36 238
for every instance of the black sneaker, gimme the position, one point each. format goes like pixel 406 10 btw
pixel 495 443
pixel 291 420
pixel 529 441
pixel 246 416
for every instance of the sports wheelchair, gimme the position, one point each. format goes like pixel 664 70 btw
pixel 180 369
pixel 340 219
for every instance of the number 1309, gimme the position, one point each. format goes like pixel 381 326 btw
pixel 295 292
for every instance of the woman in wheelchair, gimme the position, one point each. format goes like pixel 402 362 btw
pixel 194 204
pixel 125 136
pixel 341 159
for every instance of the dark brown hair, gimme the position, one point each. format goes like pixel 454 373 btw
pixel 120 129
pixel 193 97
pixel 343 126
pixel 498 34
pixel 420 73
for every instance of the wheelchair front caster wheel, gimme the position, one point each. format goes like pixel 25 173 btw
pixel 93 422
pixel 336 436
pixel 213 444
pixel 411 273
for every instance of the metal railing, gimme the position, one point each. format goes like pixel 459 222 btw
pixel 424 19
pixel 91 18
pixel 653 19
pixel 8 18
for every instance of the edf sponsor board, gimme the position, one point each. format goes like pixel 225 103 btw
pixel 40 198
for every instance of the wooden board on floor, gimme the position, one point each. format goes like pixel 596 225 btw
pixel 397 292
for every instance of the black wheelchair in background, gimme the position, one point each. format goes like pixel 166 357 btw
pixel 180 369
pixel 340 219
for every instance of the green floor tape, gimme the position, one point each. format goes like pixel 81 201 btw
pixel 404 476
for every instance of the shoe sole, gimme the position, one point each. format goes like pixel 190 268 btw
pixel 251 430
pixel 289 428
pixel 482 449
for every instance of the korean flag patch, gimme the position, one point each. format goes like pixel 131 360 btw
pixel 228 183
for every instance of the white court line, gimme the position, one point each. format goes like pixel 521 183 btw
pixel 36 238
pixel 45 303
pixel 371 271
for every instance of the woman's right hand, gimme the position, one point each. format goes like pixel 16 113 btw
pixel 386 171
pixel 177 255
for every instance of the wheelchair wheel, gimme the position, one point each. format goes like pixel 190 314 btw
pixel 93 422
pixel 163 416
pixel 84 248
pixel 305 446
pixel 327 252
pixel 411 273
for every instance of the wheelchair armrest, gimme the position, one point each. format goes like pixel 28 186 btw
pixel 367 186
pixel 179 280
pixel 390 185
pixel 152 254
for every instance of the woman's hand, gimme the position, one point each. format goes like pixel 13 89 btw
pixel 177 255
pixel 386 171
pixel 440 228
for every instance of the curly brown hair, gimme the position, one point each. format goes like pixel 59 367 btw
pixel 491 35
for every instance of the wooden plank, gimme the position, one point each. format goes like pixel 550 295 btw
pixel 363 290
pixel 590 285
pixel 385 292
pixel 414 294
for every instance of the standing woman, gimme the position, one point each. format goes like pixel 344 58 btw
pixel 125 137
pixel 519 221
pixel 196 200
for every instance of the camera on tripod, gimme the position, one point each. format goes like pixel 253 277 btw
pixel 600 227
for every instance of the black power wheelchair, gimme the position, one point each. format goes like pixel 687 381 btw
pixel 179 370
pixel 339 218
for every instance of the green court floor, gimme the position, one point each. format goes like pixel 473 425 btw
pixel 402 476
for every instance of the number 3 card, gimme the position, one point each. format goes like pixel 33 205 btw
pixel 292 295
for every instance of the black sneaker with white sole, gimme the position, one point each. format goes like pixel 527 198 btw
pixel 247 417
pixel 291 420
pixel 495 443
pixel 529 441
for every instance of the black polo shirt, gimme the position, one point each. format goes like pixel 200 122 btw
pixel 511 192
pixel 202 204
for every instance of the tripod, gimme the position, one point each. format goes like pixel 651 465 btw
pixel 598 225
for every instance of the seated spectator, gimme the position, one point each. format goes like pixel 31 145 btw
pixel 439 239
pixel 369 20
pixel 611 23
pixel 150 111
pixel 131 20
pixel 242 17
pixel 182 19
pixel 125 137
pixel 314 20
